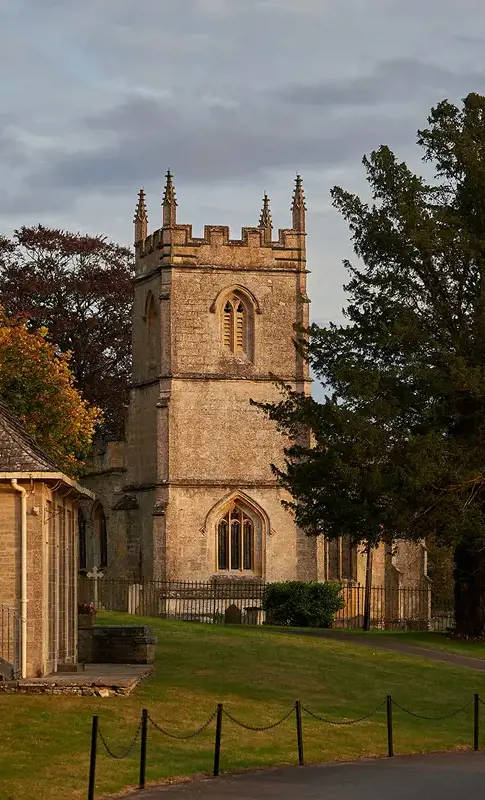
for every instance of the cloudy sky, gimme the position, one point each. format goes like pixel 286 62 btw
pixel 99 97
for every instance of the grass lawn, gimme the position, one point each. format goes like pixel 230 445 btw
pixel 44 749
pixel 435 641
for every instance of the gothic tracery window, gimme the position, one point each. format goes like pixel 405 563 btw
pixel 235 541
pixel 236 325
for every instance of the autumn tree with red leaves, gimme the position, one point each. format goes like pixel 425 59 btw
pixel 80 288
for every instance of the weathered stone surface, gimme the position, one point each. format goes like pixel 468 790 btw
pixel 123 644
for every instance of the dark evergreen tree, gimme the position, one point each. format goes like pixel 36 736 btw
pixel 399 445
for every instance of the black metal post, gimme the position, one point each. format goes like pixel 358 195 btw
pixel 217 748
pixel 143 746
pixel 390 746
pixel 92 760
pixel 299 733
pixel 476 711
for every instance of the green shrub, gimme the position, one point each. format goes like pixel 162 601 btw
pixel 302 604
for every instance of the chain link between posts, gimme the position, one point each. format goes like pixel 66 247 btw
pixel 128 750
pixel 261 727
pixel 183 736
pixel 422 716
pixel 344 721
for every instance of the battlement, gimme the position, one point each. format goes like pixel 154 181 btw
pixel 174 242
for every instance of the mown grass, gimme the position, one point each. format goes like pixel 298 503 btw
pixel 44 749
pixel 434 641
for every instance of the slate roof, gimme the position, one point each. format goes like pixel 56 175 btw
pixel 18 451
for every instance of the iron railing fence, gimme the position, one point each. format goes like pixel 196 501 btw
pixel 196 601
pixel 413 608
pixel 396 608
pixel 9 643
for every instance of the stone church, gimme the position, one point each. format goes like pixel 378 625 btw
pixel 190 493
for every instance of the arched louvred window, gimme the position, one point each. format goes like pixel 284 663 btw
pixel 237 324
pixel 235 541
pixel 228 325
pixel 240 327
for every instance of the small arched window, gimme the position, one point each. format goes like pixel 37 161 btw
pixel 101 535
pixel 103 540
pixel 236 325
pixel 235 541
pixel 81 527
pixel 151 319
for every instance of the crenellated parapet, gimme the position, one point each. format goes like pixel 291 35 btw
pixel 174 243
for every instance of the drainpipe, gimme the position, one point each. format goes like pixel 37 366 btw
pixel 23 577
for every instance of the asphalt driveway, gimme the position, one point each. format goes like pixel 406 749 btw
pixel 447 776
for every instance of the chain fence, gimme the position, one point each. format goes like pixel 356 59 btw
pixel 259 728
pixel 185 736
pixel 221 713
pixel 345 721
pixel 126 752
pixel 433 719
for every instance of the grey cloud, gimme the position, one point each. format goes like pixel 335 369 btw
pixel 207 143
pixel 398 80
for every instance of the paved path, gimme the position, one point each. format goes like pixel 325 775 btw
pixel 102 680
pixel 383 643
pixel 450 776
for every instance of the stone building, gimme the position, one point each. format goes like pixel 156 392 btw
pixel 38 556
pixel 190 494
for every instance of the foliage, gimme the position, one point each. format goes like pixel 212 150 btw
pixel 303 604
pixel 80 288
pixel 36 383
pixel 86 608
pixel 400 439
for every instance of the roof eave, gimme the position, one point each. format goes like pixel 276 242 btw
pixel 48 476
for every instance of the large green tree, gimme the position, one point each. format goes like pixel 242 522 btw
pixel 399 444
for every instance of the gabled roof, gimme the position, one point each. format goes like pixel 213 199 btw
pixel 18 450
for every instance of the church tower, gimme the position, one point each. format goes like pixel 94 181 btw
pixel 212 328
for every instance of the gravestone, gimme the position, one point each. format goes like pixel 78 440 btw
pixel 232 615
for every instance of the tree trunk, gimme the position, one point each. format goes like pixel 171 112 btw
pixel 368 588
pixel 469 589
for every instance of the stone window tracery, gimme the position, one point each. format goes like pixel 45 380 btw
pixel 235 541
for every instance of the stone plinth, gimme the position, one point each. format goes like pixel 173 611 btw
pixel 123 644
